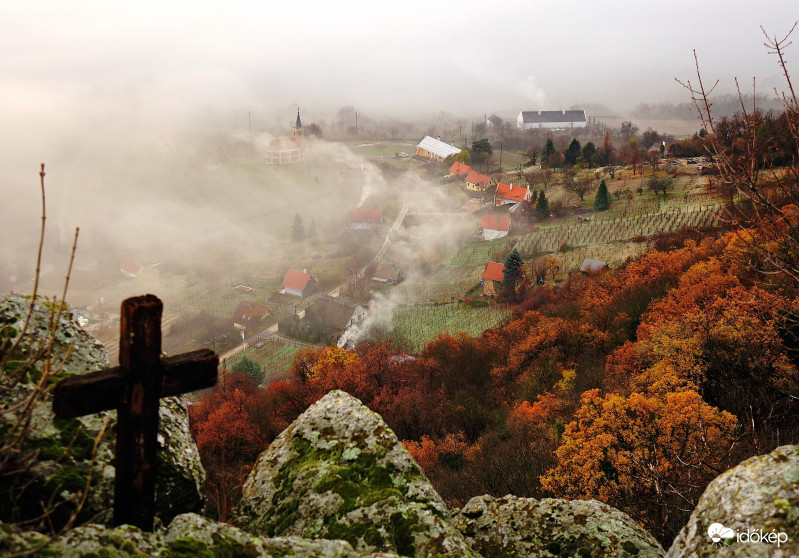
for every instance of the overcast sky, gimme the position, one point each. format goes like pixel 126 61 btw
pixel 384 58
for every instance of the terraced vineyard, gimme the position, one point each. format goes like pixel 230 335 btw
pixel 478 253
pixel 447 282
pixel 614 229
pixel 415 326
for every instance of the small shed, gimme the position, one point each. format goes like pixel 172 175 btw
pixel 297 283
pixel 492 277
pixel 248 315
pixel 362 218
pixel 590 266
pixel 494 226
pixel 388 275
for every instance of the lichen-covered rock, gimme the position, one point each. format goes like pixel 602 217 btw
pixel 188 536
pixel 65 446
pixel 338 472
pixel 514 527
pixel 759 495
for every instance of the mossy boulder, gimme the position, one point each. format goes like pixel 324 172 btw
pixel 760 494
pixel 63 448
pixel 511 527
pixel 338 472
pixel 188 536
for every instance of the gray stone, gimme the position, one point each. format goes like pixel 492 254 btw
pixel 65 446
pixel 760 494
pixel 338 472
pixel 511 527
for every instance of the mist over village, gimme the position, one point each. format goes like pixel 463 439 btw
pixel 361 280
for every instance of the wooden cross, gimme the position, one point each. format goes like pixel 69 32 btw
pixel 134 389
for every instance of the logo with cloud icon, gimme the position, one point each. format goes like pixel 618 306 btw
pixel 717 531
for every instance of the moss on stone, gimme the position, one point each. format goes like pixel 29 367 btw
pixel 630 547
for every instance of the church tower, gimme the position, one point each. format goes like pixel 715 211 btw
pixel 297 130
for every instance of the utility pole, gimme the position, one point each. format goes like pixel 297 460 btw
pixel 356 124
pixel 500 156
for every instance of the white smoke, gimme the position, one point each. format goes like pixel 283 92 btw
pixel 529 88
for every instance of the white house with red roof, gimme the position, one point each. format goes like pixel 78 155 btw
pixel 297 283
pixel 508 194
pixel 492 274
pixel 494 226
pixel 365 217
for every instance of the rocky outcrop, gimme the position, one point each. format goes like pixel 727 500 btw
pixel 65 447
pixel 758 498
pixel 338 472
pixel 511 527
pixel 189 535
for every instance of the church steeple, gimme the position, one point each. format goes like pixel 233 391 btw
pixel 298 131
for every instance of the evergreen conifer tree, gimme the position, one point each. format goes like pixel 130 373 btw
pixel 512 271
pixel 297 228
pixel 602 200
pixel 542 206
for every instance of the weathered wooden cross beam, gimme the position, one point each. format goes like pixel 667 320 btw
pixel 134 389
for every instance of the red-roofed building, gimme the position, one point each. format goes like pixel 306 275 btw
pixel 365 217
pixel 459 169
pixel 248 315
pixel 492 274
pixel 477 182
pixel 129 268
pixel 494 226
pixel 508 194
pixel 297 283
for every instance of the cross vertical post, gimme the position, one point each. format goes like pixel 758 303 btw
pixel 137 419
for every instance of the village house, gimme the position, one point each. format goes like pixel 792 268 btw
pixel 249 315
pixel 331 315
pixel 431 148
pixel 494 226
pixel 590 266
pixel 129 268
pixel 285 150
pixel 365 218
pixel 492 278
pixel 459 169
pixel 387 275
pixel 520 214
pixel 551 119
pixel 297 283
pixel 476 182
pixel 508 194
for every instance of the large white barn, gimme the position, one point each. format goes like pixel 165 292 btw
pixel 551 119
pixel 431 148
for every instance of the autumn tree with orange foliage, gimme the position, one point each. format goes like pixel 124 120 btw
pixel 228 437
pixel 650 456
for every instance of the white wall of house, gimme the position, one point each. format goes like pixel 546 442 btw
pixel 291 291
pixel 491 234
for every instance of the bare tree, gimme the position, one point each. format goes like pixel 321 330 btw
pixel 769 221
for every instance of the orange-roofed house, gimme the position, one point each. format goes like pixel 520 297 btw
pixel 494 226
pixel 508 194
pixel 365 217
pixel 492 276
pixel 476 182
pixel 459 169
pixel 129 268
pixel 297 283
pixel 248 315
